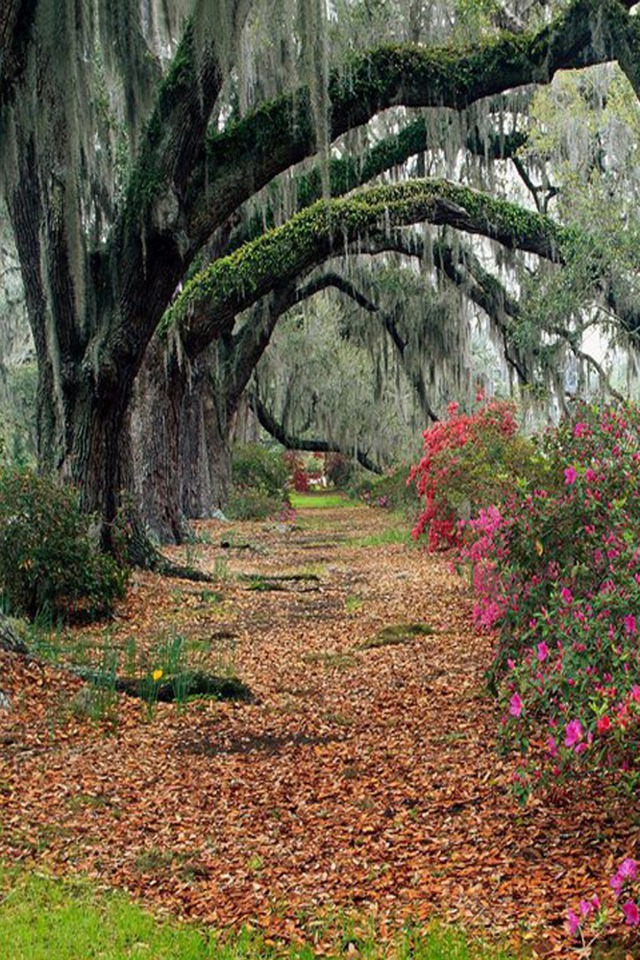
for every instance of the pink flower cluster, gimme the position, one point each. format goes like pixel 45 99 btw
pixel 624 878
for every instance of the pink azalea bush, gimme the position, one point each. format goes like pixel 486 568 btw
pixel 469 459
pixel 557 575
pixel 555 561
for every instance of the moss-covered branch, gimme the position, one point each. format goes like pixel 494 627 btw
pixel 245 157
pixel 348 172
pixel 211 300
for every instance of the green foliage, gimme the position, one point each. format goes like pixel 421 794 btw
pixel 339 470
pixel 259 481
pixel 17 417
pixel 389 491
pixel 48 560
pixel 256 466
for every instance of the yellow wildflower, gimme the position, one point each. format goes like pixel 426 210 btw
pixel 157 675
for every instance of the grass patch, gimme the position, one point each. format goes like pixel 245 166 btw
pixel 385 538
pixel 43 918
pixel 332 661
pixel 320 501
pixel 353 604
pixel 276 581
pixel 396 634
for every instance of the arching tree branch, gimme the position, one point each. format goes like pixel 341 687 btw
pixel 210 301
pixel 349 289
pixel 247 156
pixel 278 432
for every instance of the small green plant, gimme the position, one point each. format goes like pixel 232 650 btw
pixel 220 569
pixel 353 604
pixel 98 699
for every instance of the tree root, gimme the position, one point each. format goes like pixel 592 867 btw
pixel 9 639
pixel 143 554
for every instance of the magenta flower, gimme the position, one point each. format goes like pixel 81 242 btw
pixel 579 429
pixel 573 733
pixel 543 651
pixel 616 883
pixel 570 476
pixel 566 595
pixel 631 913
pixel 573 922
pixel 630 624
pixel 515 705
pixel 628 869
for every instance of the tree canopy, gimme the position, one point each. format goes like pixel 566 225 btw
pixel 167 166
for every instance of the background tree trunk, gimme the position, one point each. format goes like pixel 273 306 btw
pixel 205 445
pixel 155 441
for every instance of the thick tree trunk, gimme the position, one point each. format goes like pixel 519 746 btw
pixel 155 441
pixel 205 445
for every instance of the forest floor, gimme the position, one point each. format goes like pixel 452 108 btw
pixel 363 779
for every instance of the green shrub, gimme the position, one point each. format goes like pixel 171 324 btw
pixel 253 465
pixel 389 491
pixel 48 560
pixel 252 503
pixel 259 482
pixel 341 471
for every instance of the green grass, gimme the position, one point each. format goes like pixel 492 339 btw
pixel 42 918
pixel 320 501
pixel 385 537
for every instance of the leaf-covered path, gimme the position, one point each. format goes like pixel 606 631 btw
pixel 363 777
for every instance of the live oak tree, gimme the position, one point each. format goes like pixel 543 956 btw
pixel 132 144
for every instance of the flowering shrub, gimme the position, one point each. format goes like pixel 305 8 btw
pixel 298 476
pixel 557 571
pixel 470 461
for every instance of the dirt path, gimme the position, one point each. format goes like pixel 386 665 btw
pixel 363 777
